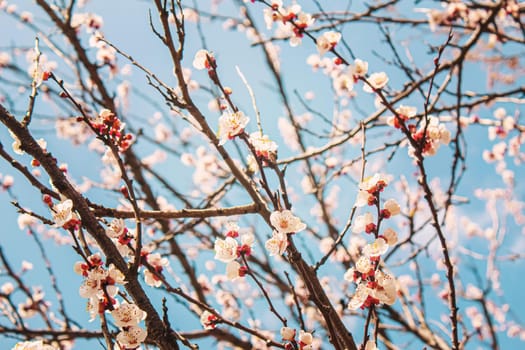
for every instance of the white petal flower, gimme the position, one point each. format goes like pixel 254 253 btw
pixel 127 315
pixel 306 338
pixel 392 206
pixel 390 236
pixel 33 345
pixel 287 333
pixel 327 41
pixel 231 125
pixel 285 222
pixel 63 213
pixel 358 299
pixel 363 264
pixel 132 337
pixel 232 270
pixel 201 60
pixel 116 228
pixel 377 81
pixel 208 320
pixel 376 248
pixel 360 68
pixel 277 244
pixel 226 249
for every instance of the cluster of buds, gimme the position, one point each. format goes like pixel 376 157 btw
pixel 229 250
pixel 373 285
pixel 304 341
pixel 108 125
pixel 430 134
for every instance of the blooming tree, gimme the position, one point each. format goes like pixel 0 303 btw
pixel 262 174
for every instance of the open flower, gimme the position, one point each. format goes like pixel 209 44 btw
pixel 277 244
pixel 377 81
pixel 208 320
pixel 226 249
pixel 360 68
pixel 285 222
pixel 127 315
pixel 327 41
pixel 376 248
pixel 63 214
pixel 131 337
pixel 201 60
pixel 231 125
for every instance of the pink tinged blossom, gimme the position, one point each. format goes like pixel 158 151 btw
pixel 285 222
pixel 277 244
pixel 386 291
pixel 208 320
pixel 327 41
pixel 343 84
pixel 200 60
pixel 231 125
pixel 363 265
pixel 127 315
pixel 234 270
pixel 305 338
pixel 359 68
pixel 376 248
pixel 363 223
pixel 376 81
pixel 116 228
pixel 33 345
pixel 63 214
pixel 391 208
pixel 264 147
pixel 132 337
pixel 390 236
pixel 7 288
pixel 151 279
pixel 232 229
pixel 351 275
pixel 287 333
pixel 226 249
pixel 359 298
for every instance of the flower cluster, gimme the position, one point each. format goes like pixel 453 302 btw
pixel 228 250
pixel 99 285
pixel 431 134
pixel 158 263
pixel 127 317
pixel 304 341
pixel 265 148
pixel 293 21
pixel 284 223
pixel 100 288
pixel 108 125
pixel 374 286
